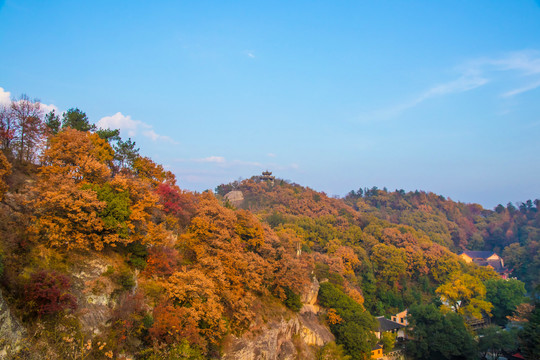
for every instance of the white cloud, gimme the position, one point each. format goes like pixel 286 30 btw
pixel 132 127
pixel 250 54
pixel 5 97
pixel 122 122
pixel 272 155
pixel 48 108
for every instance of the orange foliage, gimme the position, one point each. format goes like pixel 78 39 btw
pixel 161 261
pixel 172 324
pixel 333 317
pixel 249 229
pixel 72 155
pixel 66 215
pixel 144 203
pixel 355 295
pixel 197 295
pixel 349 258
pixel 5 170
pixel 150 172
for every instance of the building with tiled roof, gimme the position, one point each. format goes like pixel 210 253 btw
pixel 386 325
pixel 486 258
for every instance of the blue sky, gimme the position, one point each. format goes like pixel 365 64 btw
pixel 441 96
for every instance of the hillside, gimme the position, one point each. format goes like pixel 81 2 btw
pixel 103 255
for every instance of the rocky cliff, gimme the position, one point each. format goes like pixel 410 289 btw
pixel 11 331
pixel 298 337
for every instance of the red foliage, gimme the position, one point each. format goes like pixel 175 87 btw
pixel 47 293
pixel 128 314
pixel 161 261
pixel 176 202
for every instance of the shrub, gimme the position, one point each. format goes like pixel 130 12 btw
pixel 125 279
pixel 354 331
pixel 180 351
pixel 137 255
pixel 292 301
pixel 47 293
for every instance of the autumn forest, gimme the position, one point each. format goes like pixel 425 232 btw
pixel 103 255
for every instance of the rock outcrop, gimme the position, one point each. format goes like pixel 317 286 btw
pixel 93 292
pixel 235 197
pixel 295 338
pixel 12 332
pixel 282 340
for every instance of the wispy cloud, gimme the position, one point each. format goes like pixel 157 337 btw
pixel 521 90
pixel 250 53
pixel 222 162
pixel 132 127
pixel 523 66
pixel 526 61
pixel 212 159
pixel 465 82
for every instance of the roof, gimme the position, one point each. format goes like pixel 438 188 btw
pixel 387 325
pixel 376 347
pixel 496 265
pixel 478 254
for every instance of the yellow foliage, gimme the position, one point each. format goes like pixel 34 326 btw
pixel 465 295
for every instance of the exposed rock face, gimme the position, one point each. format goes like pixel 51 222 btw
pixel 93 293
pixel 285 339
pixel 12 332
pixel 274 343
pixel 312 331
pixel 235 197
pixel 310 296
pixel 277 342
